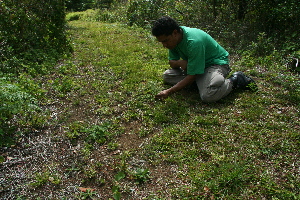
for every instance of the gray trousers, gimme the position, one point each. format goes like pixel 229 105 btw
pixel 212 84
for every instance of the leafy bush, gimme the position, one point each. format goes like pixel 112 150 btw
pixel 31 31
pixel 79 5
pixel 14 101
pixel 33 37
pixel 82 5
pixel 17 108
pixel 238 23
pixel 105 15
pixel 143 12
pixel 103 3
pixel 73 16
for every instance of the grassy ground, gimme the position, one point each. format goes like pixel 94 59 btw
pixel 108 138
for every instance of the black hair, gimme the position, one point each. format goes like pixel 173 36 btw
pixel 165 26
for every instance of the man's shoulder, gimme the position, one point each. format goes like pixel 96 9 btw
pixel 193 32
pixel 190 29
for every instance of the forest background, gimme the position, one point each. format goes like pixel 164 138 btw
pixel 34 38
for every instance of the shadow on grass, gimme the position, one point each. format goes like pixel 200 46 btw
pixel 192 96
pixel 179 107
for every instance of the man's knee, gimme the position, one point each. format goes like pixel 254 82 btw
pixel 213 94
pixel 173 76
pixel 208 98
pixel 217 80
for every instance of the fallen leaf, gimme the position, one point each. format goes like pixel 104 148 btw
pixel 9 158
pixel 206 189
pixel 82 189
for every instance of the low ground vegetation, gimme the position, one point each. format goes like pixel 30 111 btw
pixel 95 131
pixel 88 127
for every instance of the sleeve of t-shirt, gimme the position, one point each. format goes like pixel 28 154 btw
pixel 173 55
pixel 196 58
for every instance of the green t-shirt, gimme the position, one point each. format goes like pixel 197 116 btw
pixel 200 50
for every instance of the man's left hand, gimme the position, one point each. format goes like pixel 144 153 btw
pixel 163 94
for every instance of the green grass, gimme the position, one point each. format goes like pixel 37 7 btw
pixel 246 146
pixel 241 147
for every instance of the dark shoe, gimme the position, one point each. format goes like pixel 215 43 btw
pixel 241 81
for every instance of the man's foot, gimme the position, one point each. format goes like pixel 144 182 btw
pixel 241 81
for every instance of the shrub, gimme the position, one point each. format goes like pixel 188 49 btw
pixel 73 16
pixel 79 5
pixel 31 31
pixel 237 23
pixel 33 37
pixel 103 15
pixel 143 12
pixel 17 109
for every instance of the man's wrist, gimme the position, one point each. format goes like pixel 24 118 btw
pixel 171 90
pixel 174 64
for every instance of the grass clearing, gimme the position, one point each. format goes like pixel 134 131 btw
pixel 108 133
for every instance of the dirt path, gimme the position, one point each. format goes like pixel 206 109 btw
pixel 47 164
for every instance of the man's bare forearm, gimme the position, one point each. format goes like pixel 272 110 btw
pixel 189 79
pixel 176 64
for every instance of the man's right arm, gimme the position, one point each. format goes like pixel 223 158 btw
pixel 176 64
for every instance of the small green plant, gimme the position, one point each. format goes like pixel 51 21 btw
pixel 141 175
pixel 91 134
pixel 116 188
pixel 87 149
pixel 45 177
pixel 74 130
pixel 116 192
pixel 120 175
pixel 122 164
pixel 64 85
pixel 253 87
pixel 88 194
pixel 112 146
pixel 90 172
pixel 96 133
